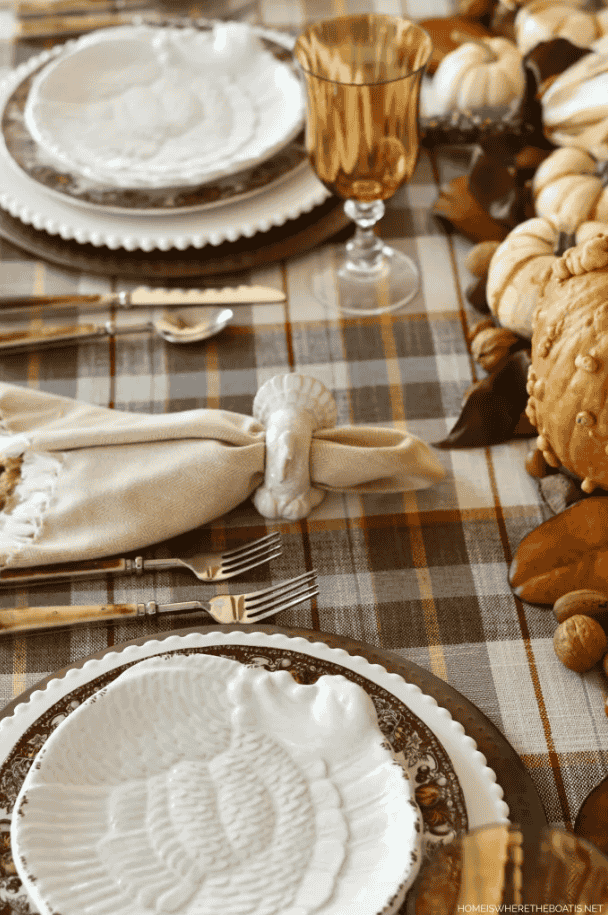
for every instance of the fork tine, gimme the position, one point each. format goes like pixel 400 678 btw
pixel 254 598
pixel 239 568
pixel 280 600
pixel 263 550
pixel 256 616
pixel 237 551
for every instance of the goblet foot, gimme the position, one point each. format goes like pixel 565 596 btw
pixel 392 283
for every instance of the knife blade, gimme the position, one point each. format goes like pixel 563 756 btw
pixel 45 8
pixel 145 297
pixel 52 26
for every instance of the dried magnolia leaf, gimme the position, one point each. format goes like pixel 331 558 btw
pixel 493 409
pixel 566 553
pixel 475 9
pixel 497 187
pixel 550 58
pixel 458 207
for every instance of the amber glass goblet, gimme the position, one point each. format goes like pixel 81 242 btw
pixel 503 867
pixel 363 76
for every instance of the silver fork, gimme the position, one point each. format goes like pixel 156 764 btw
pixel 206 567
pixel 224 608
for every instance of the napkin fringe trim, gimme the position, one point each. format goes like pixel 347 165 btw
pixel 22 520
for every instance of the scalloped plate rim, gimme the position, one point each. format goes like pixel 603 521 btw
pixel 469 763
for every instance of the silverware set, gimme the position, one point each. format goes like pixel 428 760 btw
pixel 248 608
pixel 209 567
pixel 187 326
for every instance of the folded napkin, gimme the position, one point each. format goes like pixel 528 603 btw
pixel 82 482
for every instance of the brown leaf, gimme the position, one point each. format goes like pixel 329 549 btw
pixel 492 411
pixel 475 9
pixel 458 207
pixel 566 553
pixel 495 184
pixel 550 58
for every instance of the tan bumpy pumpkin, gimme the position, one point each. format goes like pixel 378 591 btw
pixel 568 377
pixel 521 266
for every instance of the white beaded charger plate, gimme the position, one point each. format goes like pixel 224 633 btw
pixel 455 788
pixel 147 107
pixel 194 785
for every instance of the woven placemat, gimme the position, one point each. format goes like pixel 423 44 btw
pixel 295 237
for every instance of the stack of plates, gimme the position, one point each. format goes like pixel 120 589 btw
pixel 152 138
pixel 213 693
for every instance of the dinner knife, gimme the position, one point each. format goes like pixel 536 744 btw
pixel 45 8
pixel 144 297
pixel 90 569
pixel 30 619
pixel 51 26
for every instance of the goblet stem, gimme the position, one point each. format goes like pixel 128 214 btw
pixel 365 251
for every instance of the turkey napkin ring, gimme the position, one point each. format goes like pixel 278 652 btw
pixel 291 407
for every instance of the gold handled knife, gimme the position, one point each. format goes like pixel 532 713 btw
pixel 90 569
pixel 144 297
pixel 49 26
pixel 46 8
pixel 30 619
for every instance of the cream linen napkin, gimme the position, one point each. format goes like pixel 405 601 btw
pixel 96 482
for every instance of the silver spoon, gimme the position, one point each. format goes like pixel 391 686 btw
pixel 188 325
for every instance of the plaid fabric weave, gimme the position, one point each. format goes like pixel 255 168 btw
pixel 423 574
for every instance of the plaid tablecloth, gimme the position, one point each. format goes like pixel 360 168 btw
pixel 422 574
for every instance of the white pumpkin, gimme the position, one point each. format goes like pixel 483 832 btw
pixel 575 105
pixel 543 20
pixel 570 187
pixel 483 74
pixel 521 267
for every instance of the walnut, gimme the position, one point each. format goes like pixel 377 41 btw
pixel 491 345
pixel 478 259
pixel 485 324
pixel 579 642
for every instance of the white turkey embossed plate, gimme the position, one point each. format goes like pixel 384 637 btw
pixel 148 107
pixel 194 784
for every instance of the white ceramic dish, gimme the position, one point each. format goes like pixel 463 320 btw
pixel 27 200
pixel 195 784
pixel 153 107
pixel 440 758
